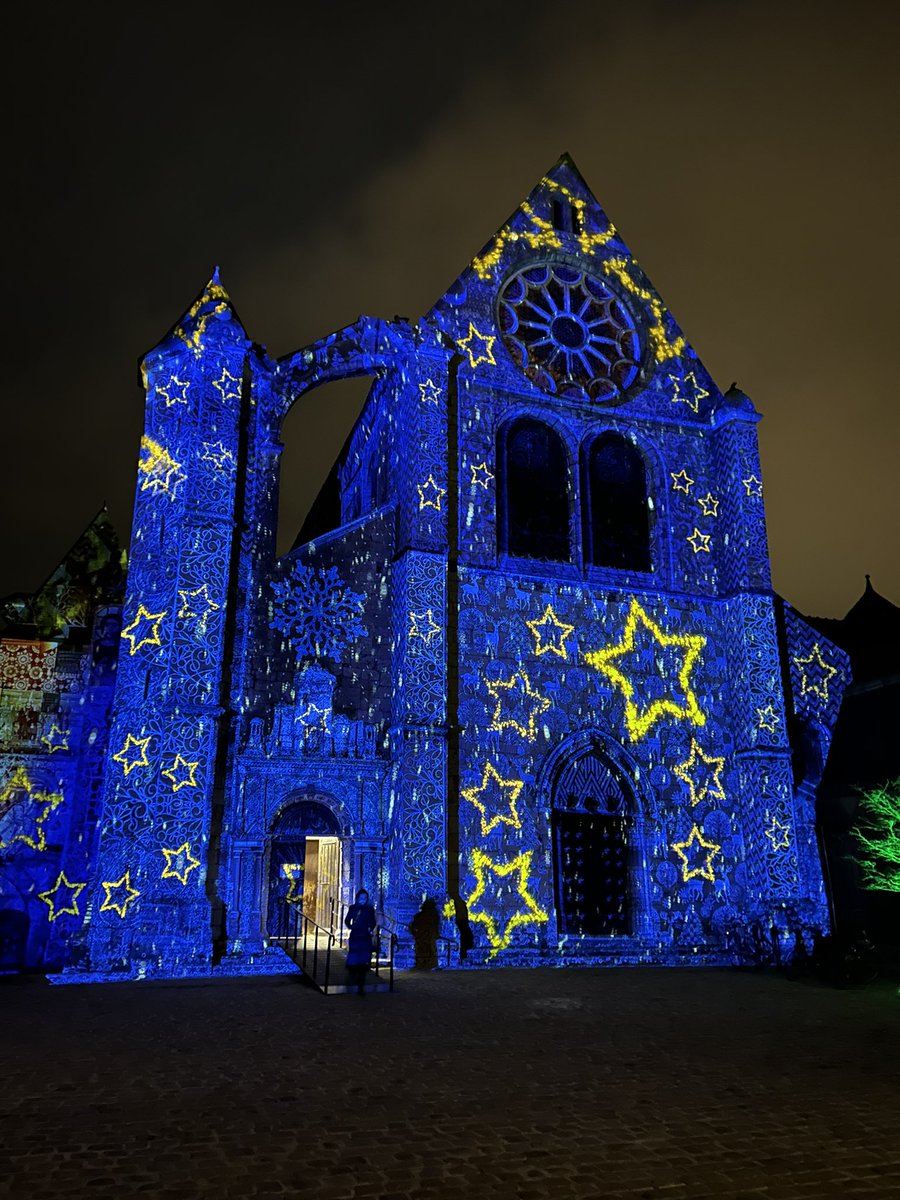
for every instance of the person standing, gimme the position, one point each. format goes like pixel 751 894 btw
pixel 425 927
pixel 361 922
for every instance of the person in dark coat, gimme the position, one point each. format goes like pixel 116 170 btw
pixel 466 936
pixel 361 922
pixel 425 927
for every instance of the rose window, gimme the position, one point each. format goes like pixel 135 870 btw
pixel 569 333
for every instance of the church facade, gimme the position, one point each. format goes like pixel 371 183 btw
pixel 530 666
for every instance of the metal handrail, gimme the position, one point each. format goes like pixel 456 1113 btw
pixel 297 931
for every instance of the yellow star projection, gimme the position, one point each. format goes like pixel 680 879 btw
pixel 65 904
pixel 314 717
pixel 430 392
pixel 530 914
pixel 695 839
pixel 709 505
pixel 663 347
pixel 517 693
pixel 124 892
pixel 293 872
pixel 56 739
pixel 478 346
pixel 778 834
pixel 228 386
pixel 213 291
pixel 197 604
pixel 179 863
pixel 181 773
pixel 430 495
pixel 768 718
pixel 637 720
pixel 550 634
pixel 699 542
pixel 815 674
pixel 174 391
pixel 702 774
pixel 482 799
pixel 681 482
pixel 218 453
pixel 692 396
pixel 130 761
pixel 44 802
pixel 753 485
pixel 423 625
pixel 481 476
pixel 136 633
pixel 163 473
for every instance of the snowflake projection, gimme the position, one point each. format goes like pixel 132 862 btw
pixel 317 612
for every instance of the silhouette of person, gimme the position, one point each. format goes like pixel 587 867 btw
pixel 466 936
pixel 424 927
pixel 361 922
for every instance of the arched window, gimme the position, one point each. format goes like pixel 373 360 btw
pixel 617 510
pixel 534 517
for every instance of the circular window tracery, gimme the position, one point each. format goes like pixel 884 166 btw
pixel 569 333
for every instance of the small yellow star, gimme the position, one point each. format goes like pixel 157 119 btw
pixel 430 494
pixel 512 788
pixel 702 782
pixel 753 485
pixel 696 838
pixel 550 633
pixel 636 721
pixel 314 717
pixel 56 739
pixel 517 690
pixel 181 773
pixel 197 603
pixel 218 453
pixel 709 505
pixel 179 863
pixel 423 625
pixel 228 386
pixel 778 834
pixel 693 393
pixel 170 391
pixel 69 907
pixel 130 894
pixel 699 541
pixel 824 670
pixel 482 352
pixel 430 392
pixel 481 476
pixel 681 482
pixel 129 763
pixel 768 718
pixel 531 914
pixel 131 634
pixel 293 872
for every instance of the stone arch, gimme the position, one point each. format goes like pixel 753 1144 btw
pixel 305 843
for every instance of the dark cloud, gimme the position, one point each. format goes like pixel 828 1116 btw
pixel 338 159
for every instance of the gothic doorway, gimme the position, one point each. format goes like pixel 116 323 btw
pixel 592 810
pixel 305 865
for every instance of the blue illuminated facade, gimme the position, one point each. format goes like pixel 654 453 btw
pixel 537 666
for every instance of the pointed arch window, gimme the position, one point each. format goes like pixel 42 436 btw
pixel 617 505
pixel 534 492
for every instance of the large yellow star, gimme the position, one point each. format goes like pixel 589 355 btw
pixel 699 541
pixel 423 625
pixel 19 781
pixel 517 689
pixel 179 863
pixel 824 670
pixel 638 722
pixel 478 346
pixel 163 473
pixel 705 871
pixel 702 782
pixel 71 891
pixel 133 633
pixel 532 914
pixel 681 482
pixel 181 773
pixel 127 896
pixel 430 494
pixel 550 634
pixel 509 789
pixel 778 834
pixel 56 739
pixel 18 790
pixel 130 762
pixel 693 393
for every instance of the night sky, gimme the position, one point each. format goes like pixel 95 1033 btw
pixel 338 159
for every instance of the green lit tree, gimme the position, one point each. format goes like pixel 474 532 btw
pixel 877 833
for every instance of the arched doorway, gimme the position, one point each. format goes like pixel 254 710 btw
pixel 592 815
pixel 305 864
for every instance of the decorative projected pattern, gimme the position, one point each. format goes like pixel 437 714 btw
pixel 317 612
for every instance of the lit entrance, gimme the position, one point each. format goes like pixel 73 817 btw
pixel 305 863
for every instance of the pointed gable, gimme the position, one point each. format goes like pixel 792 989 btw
pixel 211 318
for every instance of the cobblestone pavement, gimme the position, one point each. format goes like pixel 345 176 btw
pixel 464 1084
